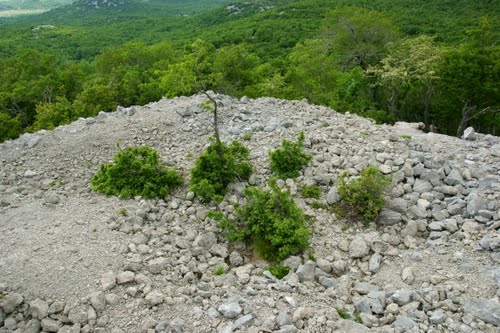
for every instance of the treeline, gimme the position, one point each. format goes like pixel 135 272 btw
pixel 359 61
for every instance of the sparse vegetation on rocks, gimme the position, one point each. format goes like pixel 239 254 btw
pixel 430 265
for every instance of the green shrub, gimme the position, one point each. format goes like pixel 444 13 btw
pixel 343 313
pixel 217 167
pixel 10 128
pixel 279 271
pixel 363 195
pixel 310 191
pixel 247 136
pixel 290 159
pixel 135 171
pixel 219 270
pixel 271 221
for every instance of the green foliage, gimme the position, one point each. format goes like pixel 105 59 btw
pixel 10 128
pixel 247 136
pixel 51 115
pixel 279 271
pixel 219 270
pixel 310 191
pixel 122 212
pixel 290 159
pixel 358 36
pixel 363 195
pixel 343 313
pixel 217 167
pixel 135 171
pixel 272 221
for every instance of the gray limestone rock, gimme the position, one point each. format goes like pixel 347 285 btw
pixel 475 203
pixel 486 310
pixel 98 301
pixel 390 217
pixel 39 309
pixel 438 317
pixel 454 178
pixel 78 315
pixel 125 277
pixel 154 298
pixel 422 186
pixel 243 321
pixel 108 281
pixel 283 319
pixel 205 240
pixel 34 326
pixel 50 325
pixel 349 326
pixel 495 150
pixel 404 323
pixel 358 248
pixel 177 325
pixel 230 310
pixel 490 242
pixel 10 302
pixel 235 259
pixel 156 265
pixel 469 134
pixel 306 272
pixel 402 297
pixel 332 195
pixel 374 263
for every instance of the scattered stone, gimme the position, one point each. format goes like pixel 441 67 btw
pixel 177 325
pixel 486 310
pixel 438 317
pixel 230 310
pixel 358 248
pixel 50 325
pixel 10 302
pixel 306 272
pixel 155 297
pixel 39 309
pixel 125 277
pixel 469 134
pixel 98 301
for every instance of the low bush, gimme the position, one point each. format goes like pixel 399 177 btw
pixel 135 171
pixel 310 191
pixel 217 167
pixel 279 271
pixel 271 220
pixel 290 159
pixel 363 195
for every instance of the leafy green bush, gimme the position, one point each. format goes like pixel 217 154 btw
pixel 310 191
pixel 271 221
pixel 218 166
pixel 219 270
pixel 10 128
pixel 279 271
pixel 135 171
pixel 363 196
pixel 290 159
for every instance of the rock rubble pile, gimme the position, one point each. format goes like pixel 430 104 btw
pixel 74 261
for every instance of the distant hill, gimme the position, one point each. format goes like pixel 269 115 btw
pixel 32 4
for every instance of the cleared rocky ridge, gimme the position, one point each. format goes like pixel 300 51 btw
pixel 70 262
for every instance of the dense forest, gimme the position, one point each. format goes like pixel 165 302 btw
pixel 436 62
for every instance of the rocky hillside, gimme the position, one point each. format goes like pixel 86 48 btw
pixel 74 261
